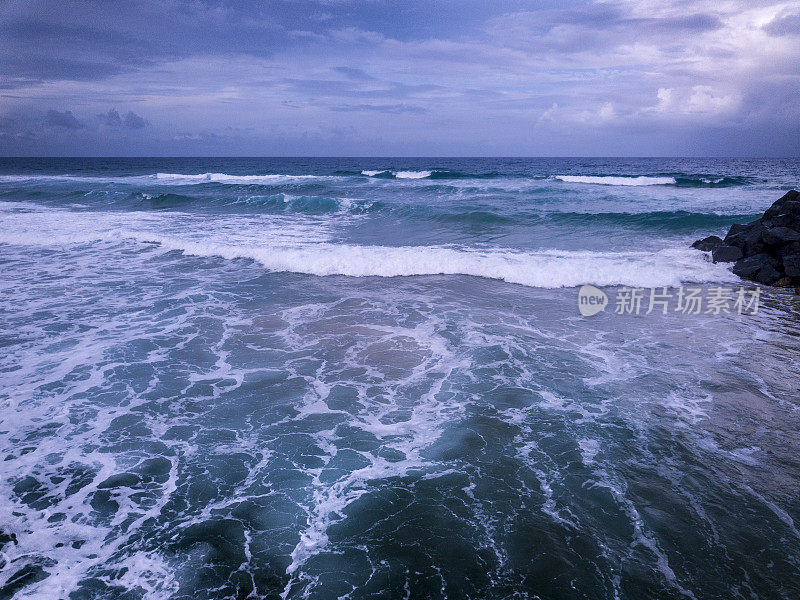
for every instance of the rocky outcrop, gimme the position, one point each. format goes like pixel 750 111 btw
pixel 708 244
pixel 767 250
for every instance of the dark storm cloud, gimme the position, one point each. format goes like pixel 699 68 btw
pixel 79 40
pixel 91 39
pixel 64 119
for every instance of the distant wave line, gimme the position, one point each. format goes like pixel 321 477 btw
pixel 617 180
pixel 269 179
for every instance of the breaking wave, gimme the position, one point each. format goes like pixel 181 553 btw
pixel 545 269
pixel 434 174
pixel 389 174
pixel 679 180
pixel 614 180
pixel 174 179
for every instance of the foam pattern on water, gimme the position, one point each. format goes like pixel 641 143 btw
pixel 221 431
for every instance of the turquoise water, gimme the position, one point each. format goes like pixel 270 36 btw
pixel 368 378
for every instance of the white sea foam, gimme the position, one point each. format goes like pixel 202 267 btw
pixel 52 227
pixel 608 180
pixel 412 174
pixel 197 178
pixel 547 269
pixel 224 178
pixel 589 449
pixel 400 174
pixel 304 246
pixel 166 179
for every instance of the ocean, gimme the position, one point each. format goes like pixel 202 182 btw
pixel 350 378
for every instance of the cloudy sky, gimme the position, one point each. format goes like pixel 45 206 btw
pixel 391 77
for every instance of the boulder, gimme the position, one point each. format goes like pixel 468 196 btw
pixel 761 268
pixel 791 265
pixel 739 228
pixel 779 236
pixel 785 212
pixel 726 254
pixel 766 250
pixel 749 267
pixel 708 244
pixel 768 275
pixel 789 249
pixel 749 240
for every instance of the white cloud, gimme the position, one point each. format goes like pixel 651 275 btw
pixel 698 100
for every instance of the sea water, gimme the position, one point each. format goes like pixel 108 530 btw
pixel 368 378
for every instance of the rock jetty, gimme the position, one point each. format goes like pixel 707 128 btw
pixel 767 250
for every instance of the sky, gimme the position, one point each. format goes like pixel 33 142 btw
pixel 400 78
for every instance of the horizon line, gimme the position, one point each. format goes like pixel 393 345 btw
pixel 394 157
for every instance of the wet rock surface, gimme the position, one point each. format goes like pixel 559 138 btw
pixel 766 250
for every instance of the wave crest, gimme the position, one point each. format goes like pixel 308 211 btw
pixel 545 269
pixel 388 173
pixel 616 180
pixel 271 179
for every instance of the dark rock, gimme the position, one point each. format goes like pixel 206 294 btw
pixel 749 267
pixel 726 254
pixel 791 265
pixel 778 236
pixel 737 228
pixel 782 220
pixel 766 250
pixel 768 275
pixel 786 219
pixel 785 212
pixel 750 240
pixel 788 249
pixel 708 244
pixel 761 268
